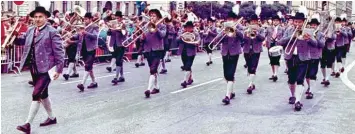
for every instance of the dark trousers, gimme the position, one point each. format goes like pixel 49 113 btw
pixel 118 54
pixel 229 66
pixel 71 52
pixel 296 70
pixel 328 58
pixel 340 53
pixel 187 61
pixel 208 50
pixel 153 59
pixel 88 57
pixel 274 60
pixel 347 47
pixel 252 60
pixel 312 70
pixel 41 82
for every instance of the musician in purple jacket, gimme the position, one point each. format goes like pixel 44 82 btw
pixel 188 50
pixel 347 41
pixel 297 57
pixel 171 33
pixel 209 33
pixel 342 36
pixel 231 49
pixel 87 48
pixel 274 33
pixel 42 51
pixel 154 49
pixel 115 38
pixel 71 50
pixel 315 55
pixel 252 48
pixel 328 57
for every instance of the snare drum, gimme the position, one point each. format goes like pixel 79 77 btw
pixel 275 51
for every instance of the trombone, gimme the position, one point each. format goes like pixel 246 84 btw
pixel 228 31
pixel 298 32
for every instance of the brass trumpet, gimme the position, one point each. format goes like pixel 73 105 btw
pixel 251 31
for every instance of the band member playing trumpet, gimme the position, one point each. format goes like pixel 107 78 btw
pixel 315 55
pixel 275 33
pixel 342 36
pixel 297 54
pixel 253 38
pixel 115 36
pixel 43 50
pixel 154 49
pixel 231 48
pixel 87 48
pixel 71 51
pixel 188 40
pixel 328 56
pixel 210 32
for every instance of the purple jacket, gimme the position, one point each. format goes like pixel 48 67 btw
pixel 303 46
pixel 116 37
pixel 316 51
pixel 190 49
pixel 90 38
pixel 340 39
pixel 256 42
pixel 270 32
pixel 349 35
pixel 49 51
pixel 232 45
pixel 210 36
pixel 154 41
pixel 330 42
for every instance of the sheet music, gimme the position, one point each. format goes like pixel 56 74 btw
pixel 51 72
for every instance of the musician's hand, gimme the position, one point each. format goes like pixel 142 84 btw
pixel 306 36
pixel 110 49
pixel 56 76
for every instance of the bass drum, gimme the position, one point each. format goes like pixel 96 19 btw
pixel 102 38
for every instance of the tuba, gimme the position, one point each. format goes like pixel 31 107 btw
pixel 189 38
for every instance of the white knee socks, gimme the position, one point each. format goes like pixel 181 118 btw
pixel 251 79
pixel 33 111
pixel 47 105
pixel 229 88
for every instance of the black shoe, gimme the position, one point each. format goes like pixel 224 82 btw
pixel 272 77
pixel 142 64
pixel 326 83
pixel 74 76
pixel 298 106
pixel 190 81
pixel 31 83
pixel 167 60
pixel 211 62
pixel 309 95
pixel 323 82
pixel 25 128
pixel 342 70
pixel 93 85
pixel 226 100
pixel 163 71
pixel 49 122
pixel 66 76
pixel 182 68
pixel 184 84
pixel 245 66
pixel 147 93
pixel 291 100
pixel 121 79
pixel 333 74
pixel 250 90
pixel 232 95
pixel 114 81
pixel 208 63
pixel 337 75
pixel 286 71
pixel 155 91
pixel 275 78
pixel 137 65
pixel 109 69
pixel 81 87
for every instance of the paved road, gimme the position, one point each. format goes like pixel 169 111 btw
pixel 122 109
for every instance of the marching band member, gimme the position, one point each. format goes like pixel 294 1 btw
pixel 231 48
pixel 56 18
pixel 87 48
pixel 169 39
pixel 115 37
pixel 342 36
pixel 315 55
pixel 139 45
pixel 71 51
pixel 347 41
pixel 43 50
pixel 252 48
pixel 275 33
pixel 288 26
pixel 210 32
pixel 297 58
pixel 188 50
pixel 153 48
pixel 328 56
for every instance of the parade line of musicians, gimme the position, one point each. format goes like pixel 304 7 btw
pixel 44 49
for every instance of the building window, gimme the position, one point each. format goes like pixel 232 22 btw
pixel 263 2
pixel 301 3
pixel 118 6
pixel 2 5
pixel 77 2
pixel 88 6
pixel 99 5
pixel 127 5
pixel 251 2
pixel 65 6
pixel 9 5
pixel 135 9
pixel 289 3
pixel 51 9
pixel 276 2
